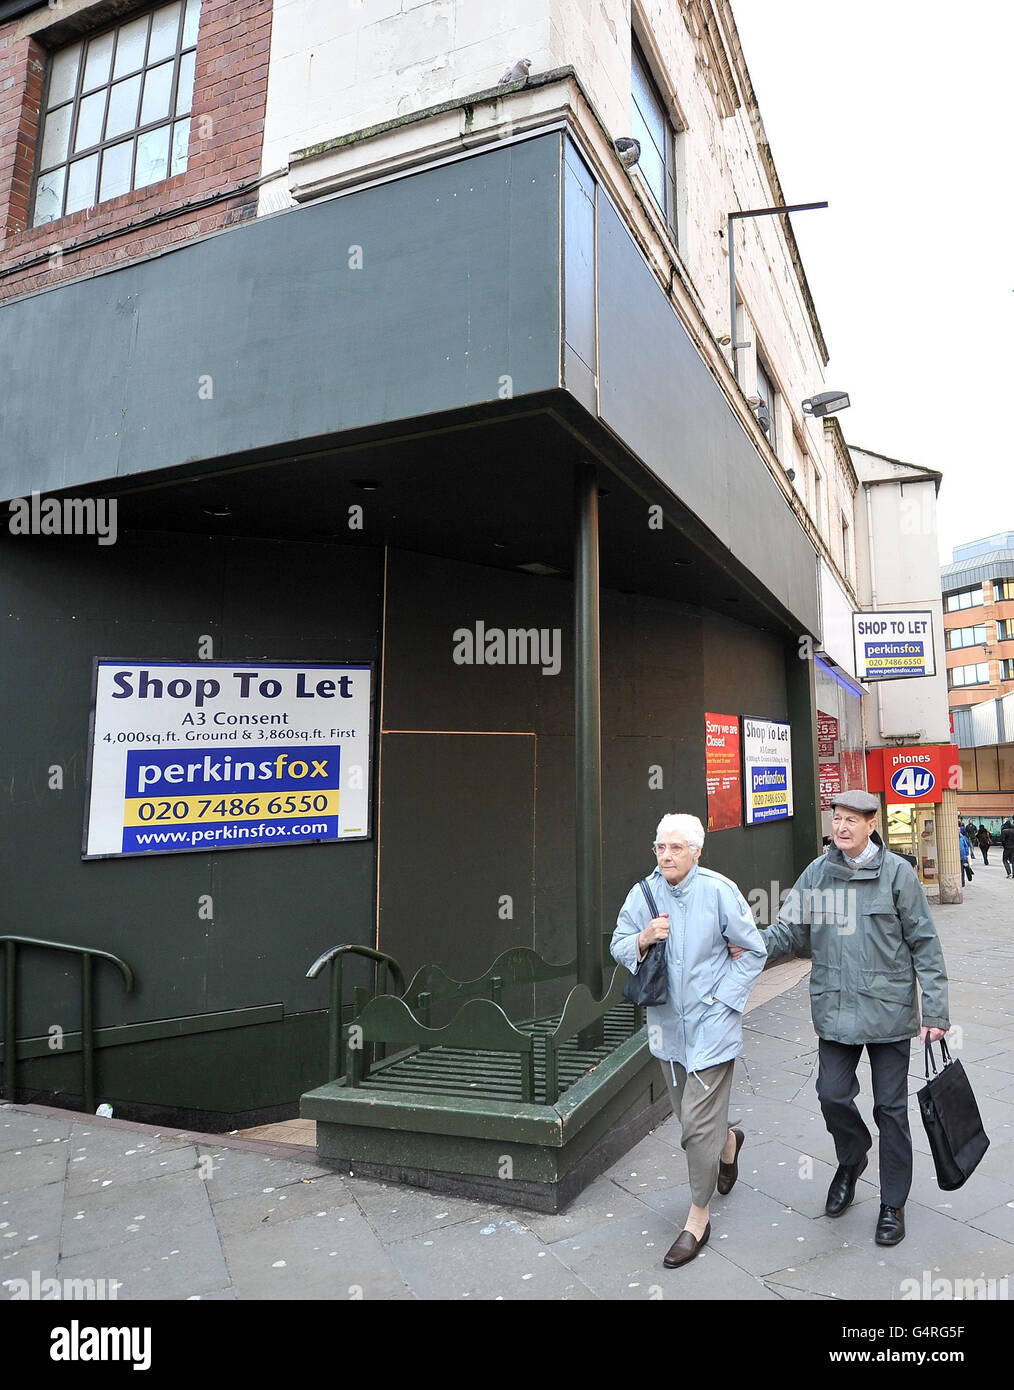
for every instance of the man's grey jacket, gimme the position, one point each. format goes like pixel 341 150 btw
pixel 871 936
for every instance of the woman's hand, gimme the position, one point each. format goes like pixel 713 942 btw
pixel 656 930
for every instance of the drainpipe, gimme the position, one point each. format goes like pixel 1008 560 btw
pixel 588 740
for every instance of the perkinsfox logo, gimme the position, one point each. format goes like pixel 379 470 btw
pixel 211 769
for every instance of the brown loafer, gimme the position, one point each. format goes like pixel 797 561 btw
pixel 729 1172
pixel 685 1247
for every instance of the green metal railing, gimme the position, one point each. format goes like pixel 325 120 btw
pixel 11 944
pixel 335 957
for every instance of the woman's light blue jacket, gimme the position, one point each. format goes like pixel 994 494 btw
pixel 701 1025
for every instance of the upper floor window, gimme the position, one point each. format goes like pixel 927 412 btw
pixel 845 548
pixel 1004 589
pixel 766 409
pixel 967 636
pixel 1007 669
pixel 969 675
pixel 654 130
pixel 1005 630
pixel 117 111
pixel 967 598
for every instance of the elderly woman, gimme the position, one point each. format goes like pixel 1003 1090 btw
pixel 698 1033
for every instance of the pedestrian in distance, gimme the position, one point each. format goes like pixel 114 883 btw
pixel 1007 844
pixel 860 912
pixel 698 1033
pixel 965 851
pixel 984 839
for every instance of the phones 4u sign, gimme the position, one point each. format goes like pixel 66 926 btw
pixel 917 775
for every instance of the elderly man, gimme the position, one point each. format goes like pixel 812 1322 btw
pixel 698 1032
pixel 860 912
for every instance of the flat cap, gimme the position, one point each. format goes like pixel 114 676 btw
pixel 864 802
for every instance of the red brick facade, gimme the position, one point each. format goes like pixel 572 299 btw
pixel 217 189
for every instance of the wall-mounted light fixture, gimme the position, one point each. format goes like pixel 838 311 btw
pixel 826 403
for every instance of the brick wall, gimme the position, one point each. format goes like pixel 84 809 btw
pixel 226 134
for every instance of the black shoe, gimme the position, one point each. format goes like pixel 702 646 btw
pixel 843 1186
pixel 890 1225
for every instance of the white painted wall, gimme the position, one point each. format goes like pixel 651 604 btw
pixel 899 515
pixel 339 66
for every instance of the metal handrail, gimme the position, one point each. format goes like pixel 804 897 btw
pixel 334 957
pixel 11 944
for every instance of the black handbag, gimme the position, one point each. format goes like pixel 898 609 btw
pixel 649 985
pixel 951 1119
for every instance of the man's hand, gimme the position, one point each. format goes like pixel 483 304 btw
pixel 934 1034
pixel 736 951
pixel 656 930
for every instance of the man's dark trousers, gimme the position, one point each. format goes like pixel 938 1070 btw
pixel 837 1088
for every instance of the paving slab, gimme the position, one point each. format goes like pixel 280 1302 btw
pixel 794 1178
pixel 173 1264
pixel 100 1161
pixel 623 1260
pixel 496 1259
pixel 240 1173
pixel 261 1208
pixel 332 1256
pixel 170 1203
pixel 35 1214
pixel 656 1162
pixel 396 1213
pixel 19 1130
pixel 997 1221
pixel 39 1258
pixel 602 1202
pixel 33 1167
pixel 753 1230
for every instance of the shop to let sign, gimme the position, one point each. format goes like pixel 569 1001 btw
pixel 893 646
pixel 722 771
pixel 767 770
pixel 227 755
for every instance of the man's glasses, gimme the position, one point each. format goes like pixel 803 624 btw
pixel 676 849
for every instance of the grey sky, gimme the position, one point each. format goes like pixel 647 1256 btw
pixel 898 112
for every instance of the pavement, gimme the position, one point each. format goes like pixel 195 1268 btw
pixel 173 1215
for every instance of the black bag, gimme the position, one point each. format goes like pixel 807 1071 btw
pixel 951 1118
pixel 649 985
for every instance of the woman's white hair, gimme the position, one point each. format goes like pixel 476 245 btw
pixel 688 826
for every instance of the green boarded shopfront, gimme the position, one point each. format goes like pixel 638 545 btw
pixel 486 469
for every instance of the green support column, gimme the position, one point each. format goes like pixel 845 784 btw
pixel 588 740
pixel 801 689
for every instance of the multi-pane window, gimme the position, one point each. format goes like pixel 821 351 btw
pixel 653 129
pixel 969 675
pixel 967 636
pixel 1004 589
pixel 117 111
pixel 766 409
pixel 1005 630
pixel 966 598
pixel 1007 669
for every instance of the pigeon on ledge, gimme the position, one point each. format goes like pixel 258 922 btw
pixel 517 73
pixel 629 150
